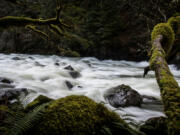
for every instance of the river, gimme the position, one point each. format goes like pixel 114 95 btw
pixel 46 75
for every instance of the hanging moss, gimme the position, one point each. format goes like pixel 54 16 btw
pixel 168 35
pixel 79 115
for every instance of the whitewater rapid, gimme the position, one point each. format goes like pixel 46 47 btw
pixel 46 75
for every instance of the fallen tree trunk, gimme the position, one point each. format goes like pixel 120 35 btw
pixel 170 90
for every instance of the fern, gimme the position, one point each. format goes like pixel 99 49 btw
pixel 24 124
pixel 105 131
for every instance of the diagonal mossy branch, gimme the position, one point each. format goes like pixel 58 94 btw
pixel 41 33
pixel 170 91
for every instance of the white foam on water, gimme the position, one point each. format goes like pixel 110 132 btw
pixel 40 74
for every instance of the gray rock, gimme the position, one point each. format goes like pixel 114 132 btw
pixel 39 65
pixel 11 93
pixel 70 68
pixel 16 58
pixel 5 80
pixel 74 74
pixel 150 100
pixel 69 84
pixel 123 96
pixel 56 64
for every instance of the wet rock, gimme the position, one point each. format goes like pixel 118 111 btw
pixel 155 126
pixel 79 86
pixel 56 64
pixel 39 65
pixel 74 74
pixel 69 84
pixel 70 68
pixel 5 80
pixel 123 96
pixel 31 58
pixel 6 85
pixel 16 58
pixel 11 93
pixel 150 100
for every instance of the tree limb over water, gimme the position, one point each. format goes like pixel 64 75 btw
pixel 169 88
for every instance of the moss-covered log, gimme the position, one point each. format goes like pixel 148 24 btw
pixel 170 91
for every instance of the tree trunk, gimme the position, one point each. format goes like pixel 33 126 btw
pixel 170 91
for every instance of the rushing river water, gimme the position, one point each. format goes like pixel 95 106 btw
pixel 46 75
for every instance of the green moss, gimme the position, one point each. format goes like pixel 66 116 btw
pixel 38 101
pixel 3 108
pixel 69 53
pixel 170 92
pixel 174 23
pixel 155 54
pixel 155 126
pixel 79 115
pixel 168 35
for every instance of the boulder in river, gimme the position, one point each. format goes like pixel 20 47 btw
pixel 123 96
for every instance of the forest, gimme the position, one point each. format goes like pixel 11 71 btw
pixel 89 67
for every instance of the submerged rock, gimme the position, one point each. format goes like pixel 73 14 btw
pixel 69 84
pixel 75 74
pixel 155 126
pixel 39 64
pixel 16 58
pixel 151 100
pixel 6 85
pixel 70 68
pixel 56 64
pixel 123 96
pixel 79 115
pixel 5 80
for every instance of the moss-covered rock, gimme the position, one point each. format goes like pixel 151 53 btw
pixel 168 35
pixel 79 115
pixel 155 126
pixel 41 99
